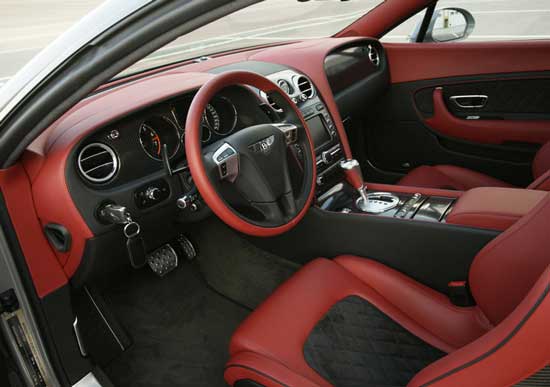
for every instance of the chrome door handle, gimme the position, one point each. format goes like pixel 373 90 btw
pixel 470 101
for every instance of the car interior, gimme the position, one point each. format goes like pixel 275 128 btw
pixel 313 213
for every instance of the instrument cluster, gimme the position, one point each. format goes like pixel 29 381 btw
pixel 167 132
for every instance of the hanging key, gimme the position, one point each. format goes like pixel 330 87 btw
pixel 116 214
pixel 135 244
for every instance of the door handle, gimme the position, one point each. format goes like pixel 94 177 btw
pixel 470 101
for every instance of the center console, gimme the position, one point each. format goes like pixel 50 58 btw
pixel 328 151
pixel 400 205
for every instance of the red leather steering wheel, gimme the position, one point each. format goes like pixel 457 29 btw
pixel 253 160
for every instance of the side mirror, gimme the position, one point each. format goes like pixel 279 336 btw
pixel 446 25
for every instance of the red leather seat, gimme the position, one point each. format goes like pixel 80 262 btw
pixel 354 322
pixel 462 179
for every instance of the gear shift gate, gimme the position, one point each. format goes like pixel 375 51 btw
pixel 377 202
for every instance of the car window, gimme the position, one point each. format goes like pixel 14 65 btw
pixel 495 20
pixel 27 26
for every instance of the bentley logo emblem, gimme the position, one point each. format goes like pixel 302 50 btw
pixel 263 146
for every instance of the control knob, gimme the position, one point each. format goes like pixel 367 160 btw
pixel 152 193
pixel 184 202
pixel 326 156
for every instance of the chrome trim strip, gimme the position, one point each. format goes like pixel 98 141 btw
pixel 79 341
pixel 104 319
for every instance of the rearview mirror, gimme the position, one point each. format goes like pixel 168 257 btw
pixel 446 24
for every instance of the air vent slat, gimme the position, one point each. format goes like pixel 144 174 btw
pixel 99 166
pixel 97 163
pixel 93 155
pixel 305 86
pixel 374 56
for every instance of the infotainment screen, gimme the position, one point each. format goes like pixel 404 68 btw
pixel 318 131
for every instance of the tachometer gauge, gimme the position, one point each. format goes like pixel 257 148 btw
pixel 154 133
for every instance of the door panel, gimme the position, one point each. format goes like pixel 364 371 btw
pixel 514 98
pixel 493 129
pixel 409 129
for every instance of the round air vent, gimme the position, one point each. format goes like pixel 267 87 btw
pixel 374 56
pixel 97 163
pixel 305 86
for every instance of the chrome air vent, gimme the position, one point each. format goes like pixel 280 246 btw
pixel 97 163
pixel 374 56
pixel 305 86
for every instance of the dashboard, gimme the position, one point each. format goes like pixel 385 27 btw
pixel 123 143
pixel 138 144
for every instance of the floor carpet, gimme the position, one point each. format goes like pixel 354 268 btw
pixel 180 327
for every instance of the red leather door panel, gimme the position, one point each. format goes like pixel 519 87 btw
pixel 485 131
pixel 415 126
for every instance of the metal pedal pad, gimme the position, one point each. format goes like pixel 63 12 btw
pixel 187 247
pixel 163 260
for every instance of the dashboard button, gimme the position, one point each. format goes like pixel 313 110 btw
pixel 153 193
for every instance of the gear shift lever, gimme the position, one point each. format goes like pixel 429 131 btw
pixel 354 175
pixel 374 203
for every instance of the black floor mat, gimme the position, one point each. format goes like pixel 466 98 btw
pixel 235 267
pixel 180 327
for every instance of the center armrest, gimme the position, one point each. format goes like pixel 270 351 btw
pixel 493 208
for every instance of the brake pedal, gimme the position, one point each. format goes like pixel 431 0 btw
pixel 163 260
pixel 187 247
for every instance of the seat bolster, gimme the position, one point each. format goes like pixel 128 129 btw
pixel 279 327
pixel 455 326
pixel 514 350
pixel 450 177
pixel 268 372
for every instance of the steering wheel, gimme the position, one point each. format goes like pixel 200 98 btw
pixel 253 161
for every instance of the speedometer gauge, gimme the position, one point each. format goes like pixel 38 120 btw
pixel 212 118
pixel 154 133
pixel 221 114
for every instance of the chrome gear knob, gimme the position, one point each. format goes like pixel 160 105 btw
pixel 354 176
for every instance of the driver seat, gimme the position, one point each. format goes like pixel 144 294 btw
pixel 353 322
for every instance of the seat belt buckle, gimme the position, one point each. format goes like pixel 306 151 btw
pixel 459 294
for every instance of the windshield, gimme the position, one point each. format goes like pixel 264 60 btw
pixel 270 21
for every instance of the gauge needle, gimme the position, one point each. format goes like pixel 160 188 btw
pixel 156 139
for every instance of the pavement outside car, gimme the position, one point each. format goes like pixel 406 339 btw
pixel 27 26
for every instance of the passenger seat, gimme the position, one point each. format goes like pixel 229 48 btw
pixel 461 179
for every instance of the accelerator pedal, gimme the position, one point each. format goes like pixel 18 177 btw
pixel 187 247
